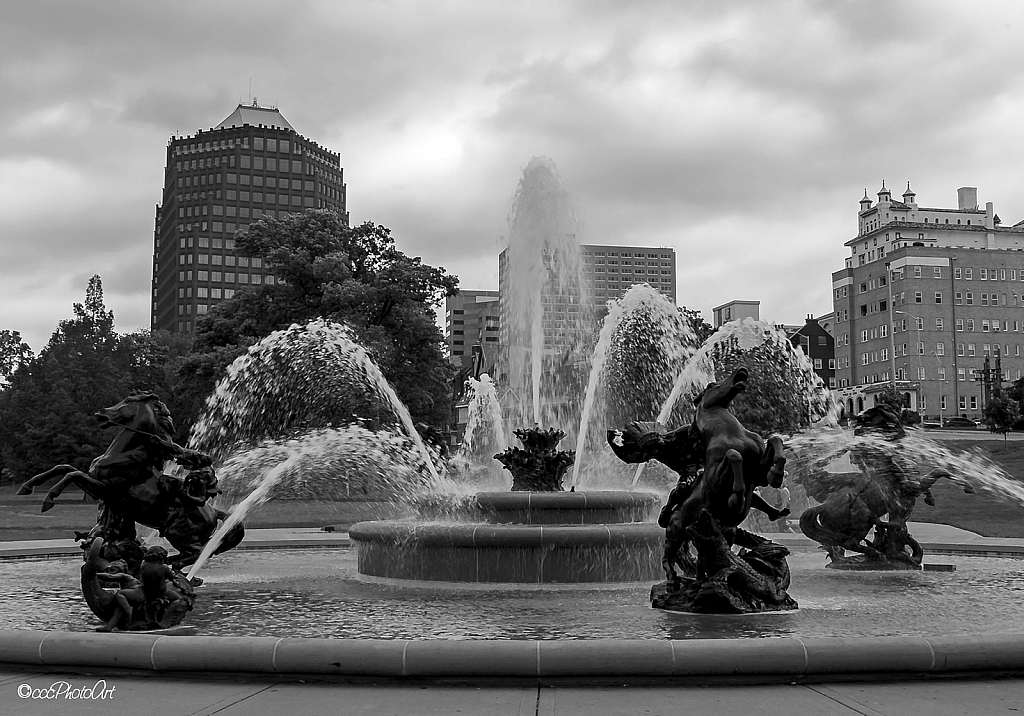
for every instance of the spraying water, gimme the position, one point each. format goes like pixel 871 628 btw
pixel 546 312
pixel 779 371
pixel 647 340
pixel 305 376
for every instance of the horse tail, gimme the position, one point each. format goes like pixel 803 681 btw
pixel 811 527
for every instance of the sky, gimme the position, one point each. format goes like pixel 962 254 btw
pixel 740 133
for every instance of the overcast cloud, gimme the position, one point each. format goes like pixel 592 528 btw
pixel 740 133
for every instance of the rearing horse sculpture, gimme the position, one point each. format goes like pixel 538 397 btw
pixel 853 504
pixel 737 460
pixel 128 478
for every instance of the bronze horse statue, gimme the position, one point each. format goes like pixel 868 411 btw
pixel 851 505
pixel 128 478
pixel 735 462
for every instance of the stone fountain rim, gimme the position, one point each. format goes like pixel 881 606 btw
pixel 544 661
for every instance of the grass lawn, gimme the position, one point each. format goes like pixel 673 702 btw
pixel 984 513
pixel 20 518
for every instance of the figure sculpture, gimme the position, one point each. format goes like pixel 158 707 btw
pixel 852 504
pixel 706 508
pixel 129 483
pixel 128 479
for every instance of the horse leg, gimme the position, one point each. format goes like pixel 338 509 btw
pixel 62 470
pixel 759 503
pixel 735 460
pixel 92 487
pixel 775 460
pixel 928 480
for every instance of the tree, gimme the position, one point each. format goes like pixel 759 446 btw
pixel 47 410
pixel 14 353
pixel 701 328
pixel 354 275
pixel 1000 414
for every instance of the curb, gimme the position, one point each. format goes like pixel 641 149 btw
pixel 774 657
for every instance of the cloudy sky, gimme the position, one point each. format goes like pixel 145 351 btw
pixel 740 133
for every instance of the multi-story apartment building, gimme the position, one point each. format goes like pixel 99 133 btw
pixel 216 182
pixel 611 270
pixel 926 296
pixel 472 319
pixel 819 347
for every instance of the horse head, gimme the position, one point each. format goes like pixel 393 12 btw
pixel 143 412
pixel 721 393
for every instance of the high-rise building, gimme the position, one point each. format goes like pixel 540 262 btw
pixel 216 182
pixel 927 295
pixel 611 270
pixel 472 319
pixel 608 271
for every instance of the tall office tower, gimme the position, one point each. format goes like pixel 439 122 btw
pixel 216 182
pixel 929 298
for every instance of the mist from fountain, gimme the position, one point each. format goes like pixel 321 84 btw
pixel 484 435
pixel 546 312
pixel 643 343
pixel 301 413
pixel 729 344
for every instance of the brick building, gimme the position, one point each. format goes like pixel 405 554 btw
pixel 926 295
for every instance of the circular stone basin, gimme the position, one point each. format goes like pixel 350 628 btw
pixel 566 508
pixel 550 537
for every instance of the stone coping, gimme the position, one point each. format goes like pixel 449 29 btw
pixel 763 658
pixel 487 535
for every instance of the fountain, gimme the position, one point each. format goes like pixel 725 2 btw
pixel 299 435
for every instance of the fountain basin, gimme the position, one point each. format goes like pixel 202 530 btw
pixel 519 553
pixel 526 537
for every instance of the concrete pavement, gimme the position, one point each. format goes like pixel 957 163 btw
pixel 24 693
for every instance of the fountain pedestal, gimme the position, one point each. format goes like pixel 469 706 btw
pixel 521 537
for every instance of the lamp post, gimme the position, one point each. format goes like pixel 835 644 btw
pixel 940 381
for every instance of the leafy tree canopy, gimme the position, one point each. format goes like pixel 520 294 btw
pixel 47 410
pixel 355 275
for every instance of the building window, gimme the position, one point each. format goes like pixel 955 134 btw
pixel 940 349
pixel 938 297
pixel 938 271
pixel 969 298
pixel 957 273
pixel 917 272
pixel 938 324
pixel 918 297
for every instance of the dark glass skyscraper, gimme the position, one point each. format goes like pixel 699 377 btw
pixel 216 182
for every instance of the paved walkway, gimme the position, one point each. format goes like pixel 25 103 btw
pixel 113 695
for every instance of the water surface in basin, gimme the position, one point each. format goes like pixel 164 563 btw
pixel 317 593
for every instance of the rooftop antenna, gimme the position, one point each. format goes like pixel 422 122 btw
pixel 250 90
